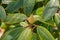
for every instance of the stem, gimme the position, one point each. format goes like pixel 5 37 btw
pixel 47 23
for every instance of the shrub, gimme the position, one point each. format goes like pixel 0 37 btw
pixel 29 20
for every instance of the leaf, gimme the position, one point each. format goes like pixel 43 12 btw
pixel 50 9
pixel 31 19
pixel 34 37
pixel 2 13
pixel 3 25
pixel 9 6
pixel 7 1
pixel 26 34
pixel 44 34
pixel 57 20
pixel 12 26
pixel 24 24
pixel 28 6
pixel 39 0
pixel 15 6
pixel 51 21
pixel 12 34
pixel 39 11
pixel 15 18
pixel 36 17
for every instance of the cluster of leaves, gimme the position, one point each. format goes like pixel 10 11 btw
pixel 29 20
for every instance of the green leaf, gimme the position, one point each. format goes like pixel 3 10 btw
pixel 12 34
pixel 57 20
pixel 12 26
pixel 34 37
pixel 39 0
pixel 9 6
pixel 3 25
pixel 44 34
pixel 51 21
pixel 15 18
pixel 26 34
pixel 50 9
pixel 24 24
pixel 36 17
pixel 7 1
pixel 28 6
pixel 2 13
pixel 39 11
pixel 14 6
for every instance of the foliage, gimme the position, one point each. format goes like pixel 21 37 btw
pixel 29 20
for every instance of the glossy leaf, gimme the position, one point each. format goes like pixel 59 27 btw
pixel 2 13
pixel 28 6
pixel 9 6
pixel 3 25
pixel 50 9
pixel 24 24
pixel 15 18
pixel 12 34
pixel 36 18
pixel 34 37
pixel 15 6
pixel 44 34
pixel 39 11
pixel 57 20
pixel 6 1
pixel 12 26
pixel 26 34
